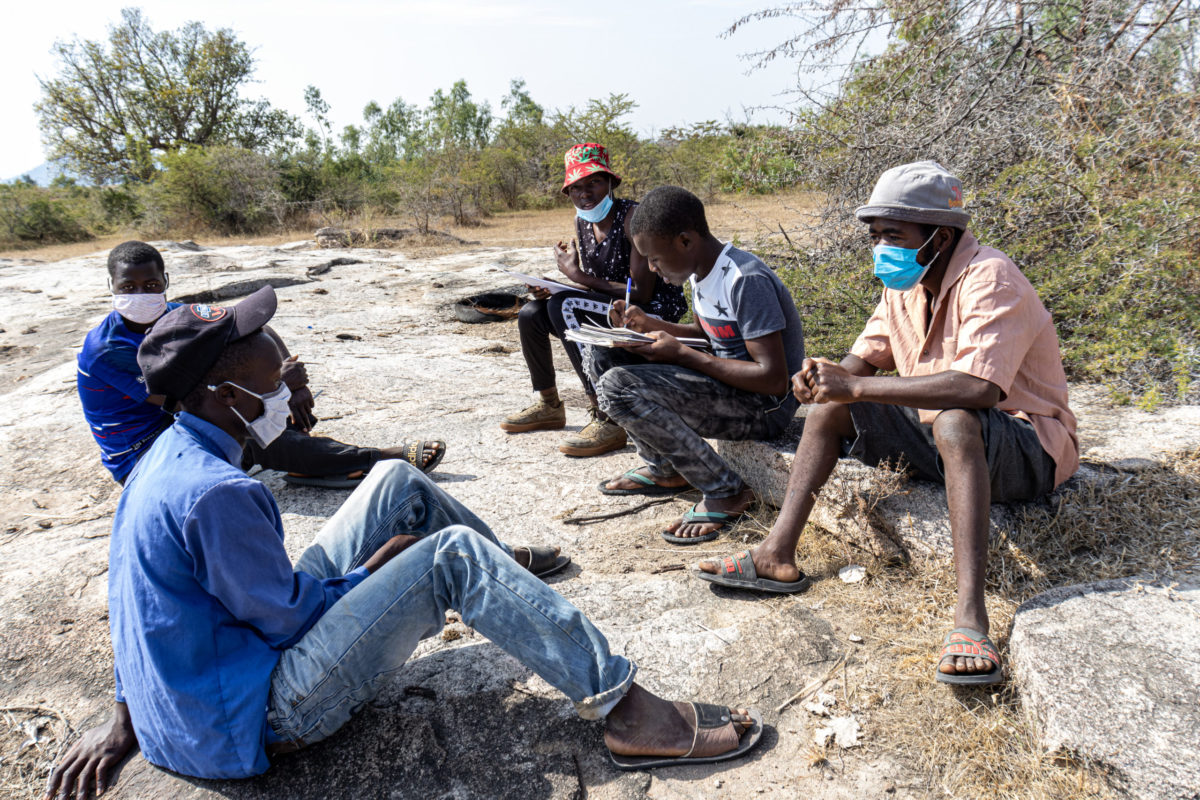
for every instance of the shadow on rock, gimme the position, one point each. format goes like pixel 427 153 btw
pixel 428 735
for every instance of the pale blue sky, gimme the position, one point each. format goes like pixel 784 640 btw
pixel 668 56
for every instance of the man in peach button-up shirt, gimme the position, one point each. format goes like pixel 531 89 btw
pixel 979 401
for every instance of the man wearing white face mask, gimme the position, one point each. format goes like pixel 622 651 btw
pixel 125 418
pixel 226 653
pixel 979 402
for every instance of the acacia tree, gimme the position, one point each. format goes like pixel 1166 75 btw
pixel 114 107
pixel 1073 125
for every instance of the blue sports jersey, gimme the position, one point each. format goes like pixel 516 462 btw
pixel 113 394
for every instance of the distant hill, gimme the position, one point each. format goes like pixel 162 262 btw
pixel 45 172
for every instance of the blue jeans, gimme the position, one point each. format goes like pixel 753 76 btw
pixel 458 564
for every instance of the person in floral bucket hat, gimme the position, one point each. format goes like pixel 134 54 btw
pixel 601 258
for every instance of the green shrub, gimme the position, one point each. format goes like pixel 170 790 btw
pixel 31 216
pixel 223 189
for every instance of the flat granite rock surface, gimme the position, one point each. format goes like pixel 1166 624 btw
pixel 462 719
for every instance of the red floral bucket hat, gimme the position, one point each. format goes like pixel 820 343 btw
pixel 586 159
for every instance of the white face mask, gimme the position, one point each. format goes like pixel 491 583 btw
pixel 141 309
pixel 272 422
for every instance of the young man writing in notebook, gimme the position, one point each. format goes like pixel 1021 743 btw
pixel 670 397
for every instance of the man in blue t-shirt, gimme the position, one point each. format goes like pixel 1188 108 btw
pixel 125 418
pixel 670 397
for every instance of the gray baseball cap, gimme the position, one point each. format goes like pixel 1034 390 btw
pixel 923 192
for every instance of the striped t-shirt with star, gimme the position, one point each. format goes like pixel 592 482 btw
pixel 740 299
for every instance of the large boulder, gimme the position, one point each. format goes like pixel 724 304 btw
pixel 1110 672
pixel 875 511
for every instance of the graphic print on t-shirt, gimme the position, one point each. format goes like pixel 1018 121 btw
pixel 713 307
pixel 741 299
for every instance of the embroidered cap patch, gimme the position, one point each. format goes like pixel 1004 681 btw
pixel 208 313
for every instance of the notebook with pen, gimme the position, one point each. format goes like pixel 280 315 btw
pixel 616 337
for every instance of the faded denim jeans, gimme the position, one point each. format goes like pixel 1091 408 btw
pixel 668 411
pixel 366 637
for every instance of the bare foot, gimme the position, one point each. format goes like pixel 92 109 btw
pixel 765 566
pixel 643 724
pixel 624 483
pixel 727 505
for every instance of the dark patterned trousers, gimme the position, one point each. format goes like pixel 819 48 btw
pixel 668 411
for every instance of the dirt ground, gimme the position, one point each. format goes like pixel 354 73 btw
pixel 744 216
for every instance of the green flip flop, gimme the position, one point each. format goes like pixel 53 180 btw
pixel 692 515
pixel 648 486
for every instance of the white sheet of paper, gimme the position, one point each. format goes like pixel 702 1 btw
pixel 554 287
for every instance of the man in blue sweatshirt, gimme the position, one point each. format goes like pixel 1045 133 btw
pixel 125 419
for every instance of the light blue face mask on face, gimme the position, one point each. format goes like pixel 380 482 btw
pixel 898 268
pixel 597 212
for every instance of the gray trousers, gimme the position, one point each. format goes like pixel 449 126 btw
pixel 668 411
pixel 1018 466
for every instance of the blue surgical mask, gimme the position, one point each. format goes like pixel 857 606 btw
pixel 597 212
pixel 898 268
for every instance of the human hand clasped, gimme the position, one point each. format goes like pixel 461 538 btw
pixel 822 381
pixel 293 372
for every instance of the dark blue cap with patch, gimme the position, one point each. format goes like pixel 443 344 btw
pixel 184 343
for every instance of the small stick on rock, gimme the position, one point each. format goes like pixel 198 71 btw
pixel 812 687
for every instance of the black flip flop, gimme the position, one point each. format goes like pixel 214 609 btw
pixel 970 644
pixel 325 481
pixel 543 561
pixel 414 448
pixel 737 572
pixel 707 716
pixel 649 487
pixel 692 515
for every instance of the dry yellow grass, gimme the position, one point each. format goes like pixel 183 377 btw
pixel 971 743
pixel 745 217
pixel 58 252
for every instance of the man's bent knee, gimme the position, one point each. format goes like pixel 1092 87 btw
pixel 530 311
pixel 393 469
pixel 611 388
pixel 460 539
pixel 957 429
pixel 831 418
